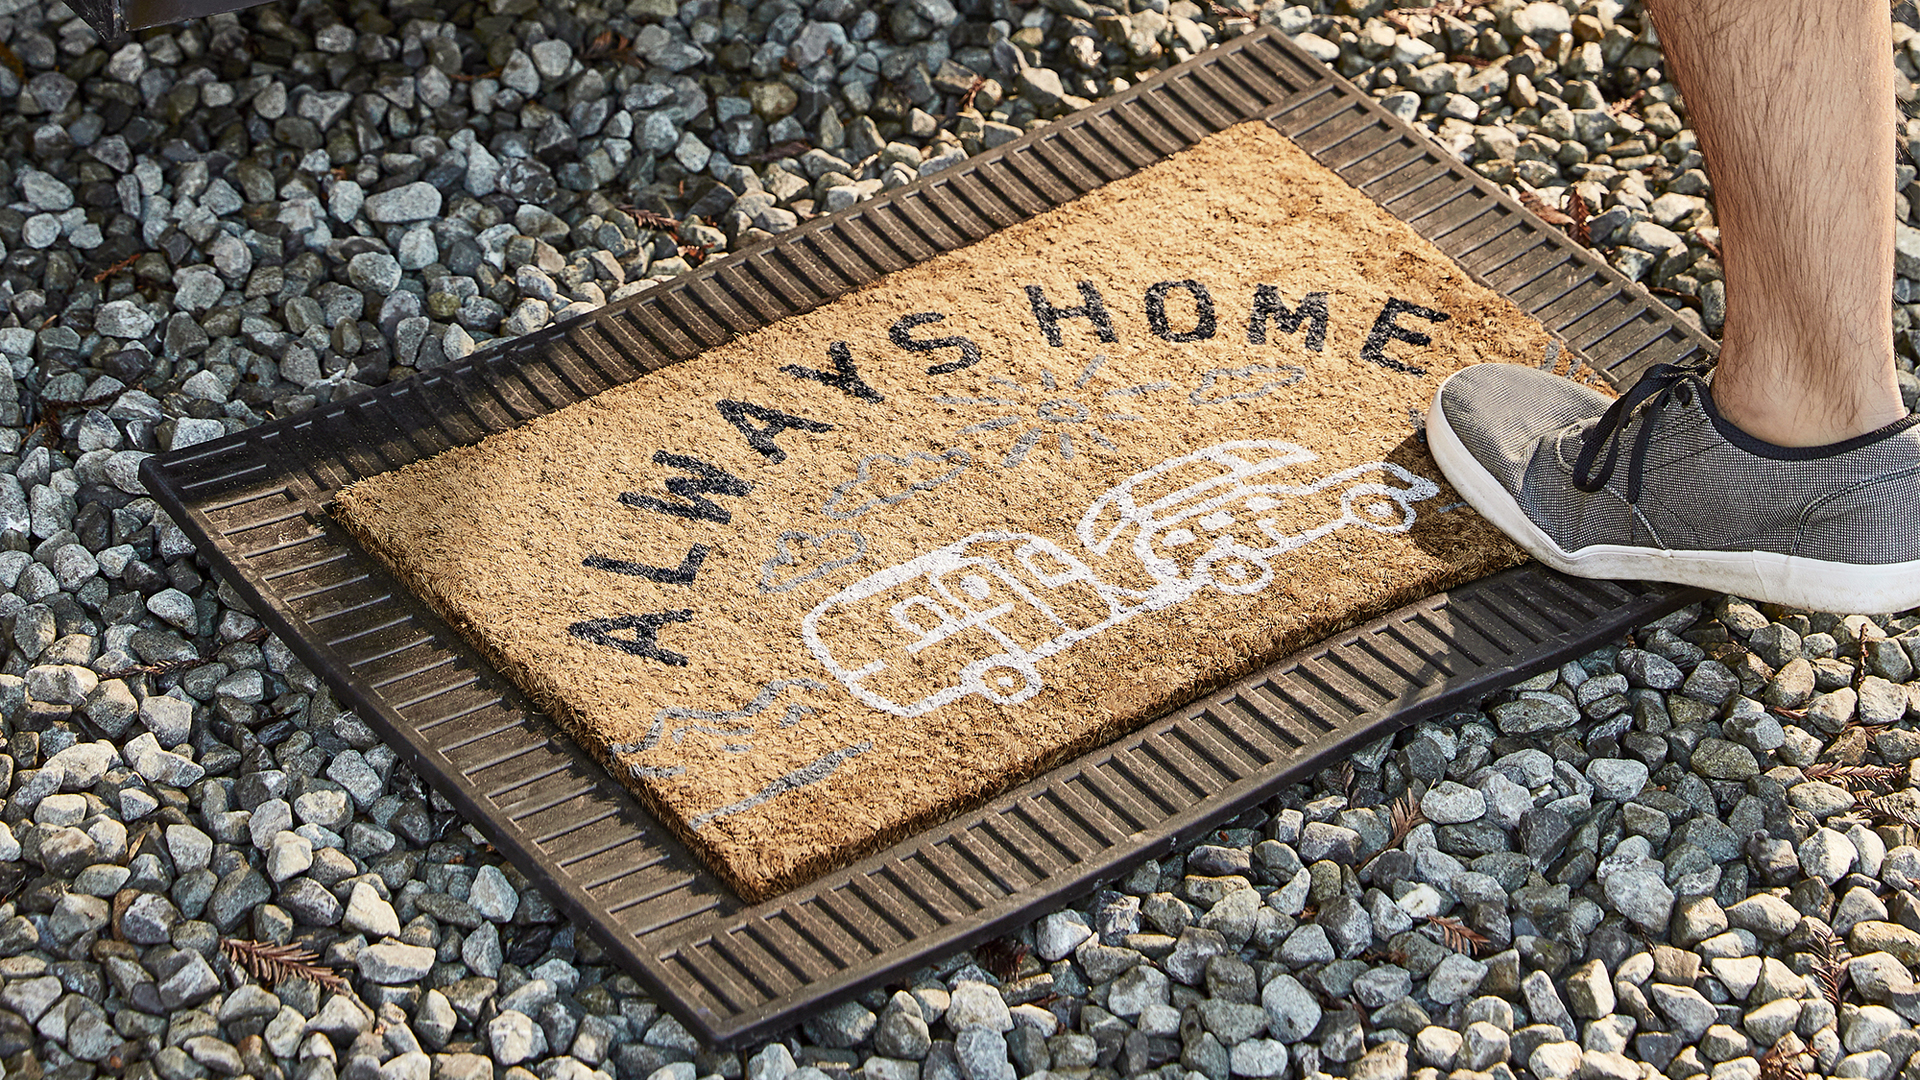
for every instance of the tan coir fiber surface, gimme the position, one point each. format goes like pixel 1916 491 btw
pixel 807 614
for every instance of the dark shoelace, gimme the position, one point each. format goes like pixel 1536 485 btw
pixel 1661 384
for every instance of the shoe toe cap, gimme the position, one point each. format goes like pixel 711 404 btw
pixel 1500 412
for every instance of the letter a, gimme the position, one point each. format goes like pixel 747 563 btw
pixel 772 422
pixel 645 629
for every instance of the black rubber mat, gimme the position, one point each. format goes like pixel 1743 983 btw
pixel 107 17
pixel 255 502
pixel 113 19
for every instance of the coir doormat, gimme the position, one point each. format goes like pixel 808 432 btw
pixel 825 584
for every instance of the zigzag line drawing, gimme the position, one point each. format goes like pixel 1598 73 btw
pixel 811 773
pixel 709 721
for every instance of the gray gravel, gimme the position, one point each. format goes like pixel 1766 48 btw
pixel 1633 865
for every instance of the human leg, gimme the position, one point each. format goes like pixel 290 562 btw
pixel 1794 106
pixel 1793 475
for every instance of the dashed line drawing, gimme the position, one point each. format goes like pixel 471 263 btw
pixel 866 473
pixel 1577 370
pixel 811 773
pixel 1212 527
pixel 714 722
pixel 1058 416
pixel 1250 373
pixel 771 582
pixel 978 615
pixel 1552 358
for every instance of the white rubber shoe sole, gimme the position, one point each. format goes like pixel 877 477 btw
pixel 1791 580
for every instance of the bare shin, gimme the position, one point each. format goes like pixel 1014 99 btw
pixel 1794 106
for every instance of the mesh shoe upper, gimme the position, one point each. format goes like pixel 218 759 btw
pixel 1501 411
pixel 1705 485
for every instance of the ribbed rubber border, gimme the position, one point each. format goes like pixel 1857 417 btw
pixel 113 20
pixel 254 502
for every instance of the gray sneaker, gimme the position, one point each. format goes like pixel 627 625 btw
pixel 1699 502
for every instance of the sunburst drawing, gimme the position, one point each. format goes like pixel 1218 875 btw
pixel 1052 412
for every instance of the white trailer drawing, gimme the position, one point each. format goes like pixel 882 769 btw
pixel 978 615
pixel 996 602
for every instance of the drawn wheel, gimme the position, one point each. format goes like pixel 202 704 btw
pixel 1376 509
pixel 1235 570
pixel 1001 681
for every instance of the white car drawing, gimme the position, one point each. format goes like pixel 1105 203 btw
pixel 1203 519
pixel 973 617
